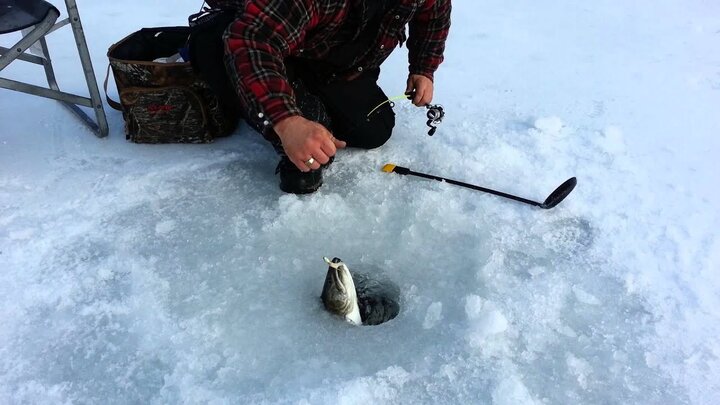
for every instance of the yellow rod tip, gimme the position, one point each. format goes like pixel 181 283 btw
pixel 388 168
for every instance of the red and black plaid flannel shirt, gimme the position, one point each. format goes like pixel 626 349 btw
pixel 268 31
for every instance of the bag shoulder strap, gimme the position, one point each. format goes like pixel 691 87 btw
pixel 112 103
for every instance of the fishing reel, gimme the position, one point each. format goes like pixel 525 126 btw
pixel 435 112
pixel 435 115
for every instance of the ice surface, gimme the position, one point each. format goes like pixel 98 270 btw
pixel 181 274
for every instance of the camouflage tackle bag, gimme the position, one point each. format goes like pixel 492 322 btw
pixel 164 100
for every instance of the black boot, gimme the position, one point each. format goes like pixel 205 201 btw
pixel 292 180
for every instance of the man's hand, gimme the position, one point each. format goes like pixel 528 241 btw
pixel 422 87
pixel 303 139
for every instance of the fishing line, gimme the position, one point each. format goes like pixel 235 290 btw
pixel 435 112
pixel 389 100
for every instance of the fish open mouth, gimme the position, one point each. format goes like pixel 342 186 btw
pixel 335 275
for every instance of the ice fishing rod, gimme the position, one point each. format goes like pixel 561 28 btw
pixel 435 112
pixel 553 199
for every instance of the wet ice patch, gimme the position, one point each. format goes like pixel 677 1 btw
pixel 22 234
pixel 37 392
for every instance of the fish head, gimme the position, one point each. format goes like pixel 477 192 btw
pixel 339 295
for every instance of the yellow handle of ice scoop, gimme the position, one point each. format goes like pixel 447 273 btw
pixel 388 168
pixel 392 168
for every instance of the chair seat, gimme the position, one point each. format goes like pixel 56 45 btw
pixel 16 15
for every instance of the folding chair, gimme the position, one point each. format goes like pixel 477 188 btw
pixel 36 19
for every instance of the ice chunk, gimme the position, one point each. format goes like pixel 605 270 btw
pixel 484 318
pixel 512 391
pixel 433 315
pixel 580 368
pixel 383 387
pixel 164 227
pixel 585 297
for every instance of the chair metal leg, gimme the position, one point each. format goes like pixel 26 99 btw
pixel 71 101
pixel 90 78
pixel 47 65
pixel 70 105
pixel 44 92
pixel 23 56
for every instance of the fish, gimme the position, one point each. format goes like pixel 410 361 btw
pixel 339 294
pixel 359 298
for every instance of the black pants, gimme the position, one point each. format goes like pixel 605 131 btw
pixel 349 103
pixel 343 107
pixel 206 55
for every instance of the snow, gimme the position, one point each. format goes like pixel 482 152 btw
pixel 181 274
pixel 549 126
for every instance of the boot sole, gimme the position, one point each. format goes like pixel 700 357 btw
pixel 299 192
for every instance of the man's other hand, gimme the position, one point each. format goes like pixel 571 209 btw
pixel 422 87
pixel 303 139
